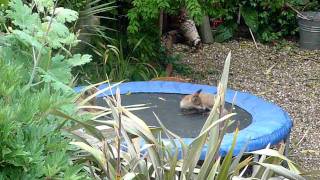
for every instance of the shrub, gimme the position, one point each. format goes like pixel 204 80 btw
pixel 143 17
pixel 32 145
pixel 269 20
pixel 35 73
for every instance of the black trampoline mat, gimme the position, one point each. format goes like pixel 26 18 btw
pixel 166 107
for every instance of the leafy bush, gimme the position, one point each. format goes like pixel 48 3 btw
pixel 32 146
pixel 269 20
pixel 143 19
pixel 35 73
pixel 158 159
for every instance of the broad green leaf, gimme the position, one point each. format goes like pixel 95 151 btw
pixel 195 148
pixel 139 125
pixel 27 39
pixel 63 15
pixel 224 33
pixel 71 40
pixel 22 16
pixel 60 69
pixel 250 16
pixel 43 5
pixel 274 153
pixel 78 59
pixel 215 124
pixel 55 83
pixel 56 33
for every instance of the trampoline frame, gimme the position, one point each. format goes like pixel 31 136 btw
pixel 270 124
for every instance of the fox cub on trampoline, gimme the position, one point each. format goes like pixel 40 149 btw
pixel 199 102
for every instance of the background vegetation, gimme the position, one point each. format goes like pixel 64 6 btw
pixel 40 55
pixel 135 25
pixel 124 36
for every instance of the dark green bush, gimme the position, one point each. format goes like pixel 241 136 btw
pixel 269 20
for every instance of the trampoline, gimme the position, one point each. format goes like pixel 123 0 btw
pixel 261 122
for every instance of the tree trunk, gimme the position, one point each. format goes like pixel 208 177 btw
pixel 161 23
pixel 205 30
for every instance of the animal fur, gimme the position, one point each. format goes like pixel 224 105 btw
pixel 199 101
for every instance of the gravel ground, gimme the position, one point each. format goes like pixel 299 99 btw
pixel 286 76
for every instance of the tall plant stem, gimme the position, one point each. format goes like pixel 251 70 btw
pixel 118 176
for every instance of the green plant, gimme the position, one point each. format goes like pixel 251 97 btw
pixel 268 20
pixel 32 145
pixel 42 45
pixel 124 59
pixel 35 73
pixel 119 62
pixel 95 32
pixel 158 159
pixel 143 19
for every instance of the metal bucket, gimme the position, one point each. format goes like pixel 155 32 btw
pixel 309 30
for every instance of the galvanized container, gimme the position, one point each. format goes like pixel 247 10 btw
pixel 309 30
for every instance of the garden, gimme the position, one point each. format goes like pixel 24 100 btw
pixel 159 89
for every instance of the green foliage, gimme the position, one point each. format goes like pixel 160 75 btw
pixel 76 5
pixel 143 19
pixel 268 20
pixel 119 63
pixel 35 73
pixel 32 146
pixel 144 13
pixel 42 45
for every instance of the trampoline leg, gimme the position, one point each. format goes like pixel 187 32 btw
pixel 287 142
pixel 286 150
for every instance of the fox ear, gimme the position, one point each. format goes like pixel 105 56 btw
pixel 198 92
